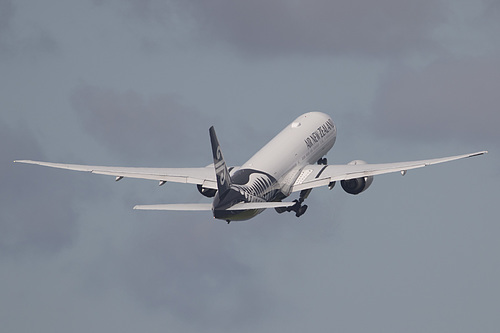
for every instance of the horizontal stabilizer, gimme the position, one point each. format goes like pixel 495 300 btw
pixel 260 205
pixel 200 206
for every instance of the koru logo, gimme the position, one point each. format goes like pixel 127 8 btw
pixel 219 167
pixel 222 178
pixel 219 154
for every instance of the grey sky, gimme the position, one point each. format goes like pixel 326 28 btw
pixel 436 101
pixel 140 82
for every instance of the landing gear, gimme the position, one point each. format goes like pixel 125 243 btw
pixel 301 211
pixel 298 208
pixel 322 161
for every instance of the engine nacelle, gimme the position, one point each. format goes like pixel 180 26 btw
pixel 208 192
pixel 357 185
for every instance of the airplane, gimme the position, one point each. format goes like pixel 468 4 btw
pixel 293 161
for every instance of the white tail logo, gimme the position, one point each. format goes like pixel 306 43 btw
pixel 220 167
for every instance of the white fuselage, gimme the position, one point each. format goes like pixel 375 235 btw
pixel 271 172
pixel 303 142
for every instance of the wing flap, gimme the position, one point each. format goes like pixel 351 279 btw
pixel 311 184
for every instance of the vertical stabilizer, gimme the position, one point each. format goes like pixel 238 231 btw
pixel 223 178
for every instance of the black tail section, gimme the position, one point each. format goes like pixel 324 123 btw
pixel 223 178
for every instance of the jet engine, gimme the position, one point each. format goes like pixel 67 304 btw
pixel 356 185
pixel 208 192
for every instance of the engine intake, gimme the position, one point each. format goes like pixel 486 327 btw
pixel 356 185
pixel 208 192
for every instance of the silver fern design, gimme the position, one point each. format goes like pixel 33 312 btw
pixel 255 185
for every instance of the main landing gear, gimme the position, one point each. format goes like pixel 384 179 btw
pixel 323 161
pixel 298 208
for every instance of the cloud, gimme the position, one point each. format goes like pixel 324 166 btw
pixel 186 267
pixel 137 127
pixel 193 276
pixel 317 27
pixel 6 13
pixel 27 43
pixel 454 98
pixel 491 9
pixel 320 27
pixel 35 216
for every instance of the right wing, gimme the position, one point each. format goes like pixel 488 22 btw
pixel 322 175
pixel 200 176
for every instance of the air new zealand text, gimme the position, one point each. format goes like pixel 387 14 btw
pixel 319 133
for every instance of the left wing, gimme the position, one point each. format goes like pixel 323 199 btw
pixel 322 175
pixel 201 176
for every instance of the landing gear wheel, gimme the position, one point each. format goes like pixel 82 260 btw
pixel 301 211
pixel 322 161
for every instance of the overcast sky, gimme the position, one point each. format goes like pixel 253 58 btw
pixel 139 82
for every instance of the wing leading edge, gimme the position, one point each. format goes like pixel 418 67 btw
pixel 204 176
pixel 320 175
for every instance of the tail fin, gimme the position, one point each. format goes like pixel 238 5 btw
pixel 223 178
